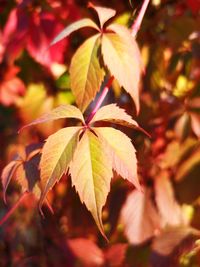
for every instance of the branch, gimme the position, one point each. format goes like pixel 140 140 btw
pixel 134 30
pixel 136 25
pixel 11 211
pixel 100 100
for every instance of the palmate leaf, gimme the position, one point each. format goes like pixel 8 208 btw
pixel 61 112
pixel 57 154
pixel 104 14
pixel 121 152
pixel 121 56
pixel 74 27
pixel 86 72
pixel 91 173
pixel 114 114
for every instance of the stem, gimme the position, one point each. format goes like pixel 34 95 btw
pixel 11 211
pixel 134 30
pixel 100 100
pixel 136 25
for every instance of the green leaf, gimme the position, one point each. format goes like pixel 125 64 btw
pixel 120 150
pixel 104 14
pixel 112 113
pixel 74 27
pixel 57 154
pixel 61 112
pixel 91 174
pixel 86 72
pixel 121 56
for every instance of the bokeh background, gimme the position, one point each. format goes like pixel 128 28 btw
pixel 159 227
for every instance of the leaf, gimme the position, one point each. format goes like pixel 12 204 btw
pixel 112 113
pixel 121 56
pixel 120 250
pixel 94 255
pixel 170 238
pixel 91 174
pixel 57 154
pixel 74 27
pixel 7 174
pixel 168 207
pixel 61 112
pixel 27 175
pixel 104 14
pixel 122 31
pixel 86 72
pixel 139 217
pixel 121 152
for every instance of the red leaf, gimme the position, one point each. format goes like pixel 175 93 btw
pixel 10 86
pixel 86 251
pixel 115 255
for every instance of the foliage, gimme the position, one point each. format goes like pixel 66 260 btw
pixel 53 57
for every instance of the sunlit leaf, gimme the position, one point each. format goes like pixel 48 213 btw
pixel 121 153
pixel 91 174
pixel 112 113
pixel 61 112
pixel 104 13
pixel 86 72
pixel 57 154
pixel 139 217
pixel 121 56
pixel 74 27
pixel 94 255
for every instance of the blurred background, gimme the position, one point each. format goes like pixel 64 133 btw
pixel 159 227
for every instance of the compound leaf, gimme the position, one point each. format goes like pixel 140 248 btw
pixel 121 152
pixel 91 173
pixel 74 27
pixel 121 56
pixel 86 72
pixel 57 154
pixel 104 14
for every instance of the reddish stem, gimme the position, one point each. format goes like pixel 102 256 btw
pixel 134 29
pixel 100 100
pixel 11 211
pixel 136 25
